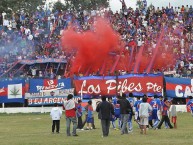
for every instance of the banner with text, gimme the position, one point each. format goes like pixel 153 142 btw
pixel 149 84
pixel 179 87
pixel 12 91
pixel 39 101
pixel 48 85
pixel 60 93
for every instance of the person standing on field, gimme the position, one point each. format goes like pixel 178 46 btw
pixel 70 110
pixel 86 116
pixel 56 114
pixel 173 113
pixel 125 109
pixel 165 114
pixel 79 114
pixel 190 104
pixel 89 119
pixel 105 110
pixel 136 106
pixel 144 109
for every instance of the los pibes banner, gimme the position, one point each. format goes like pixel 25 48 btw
pixel 139 84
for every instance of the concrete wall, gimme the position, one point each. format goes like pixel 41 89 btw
pixel 179 108
pixel 26 110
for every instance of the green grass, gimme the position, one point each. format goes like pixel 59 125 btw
pixel 35 129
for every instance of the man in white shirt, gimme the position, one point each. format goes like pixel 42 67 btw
pixel 144 110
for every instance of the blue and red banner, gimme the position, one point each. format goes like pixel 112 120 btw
pixel 149 84
pixel 179 87
pixel 12 91
pixel 40 85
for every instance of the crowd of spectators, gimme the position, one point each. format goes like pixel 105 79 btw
pixel 37 35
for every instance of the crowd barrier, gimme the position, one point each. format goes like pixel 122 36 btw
pixel 179 108
pixel 26 110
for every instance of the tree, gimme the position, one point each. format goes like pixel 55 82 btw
pixel 4 6
pixel 140 4
pixel 29 6
pixel 59 6
pixel 86 4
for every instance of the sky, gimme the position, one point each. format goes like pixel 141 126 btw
pixel 116 5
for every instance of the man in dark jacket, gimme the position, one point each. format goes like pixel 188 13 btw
pixel 105 110
pixel 125 109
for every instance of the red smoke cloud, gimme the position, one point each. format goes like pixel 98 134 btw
pixel 92 47
pixel 92 51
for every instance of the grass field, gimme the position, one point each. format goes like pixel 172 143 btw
pixel 35 129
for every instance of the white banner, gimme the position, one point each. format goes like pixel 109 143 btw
pixel 14 91
pixel 59 93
